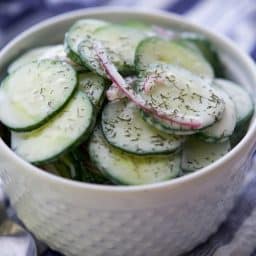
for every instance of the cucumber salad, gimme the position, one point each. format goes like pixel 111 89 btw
pixel 122 104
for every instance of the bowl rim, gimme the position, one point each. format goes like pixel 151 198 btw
pixel 241 146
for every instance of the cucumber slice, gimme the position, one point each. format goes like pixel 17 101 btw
pixel 74 57
pixel 188 45
pixel 124 128
pixel 164 127
pixel 35 92
pixel 27 57
pixel 66 167
pixel 57 168
pixel 53 52
pixel 207 49
pixel 223 128
pixel 124 168
pixel 181 94
pixel 71 166
pixel 95 178
pixel 68 129
pixel 120 43
pixel 243 101
pixel 76 170
pixel 58 52
pixel 89 57
pixel 239 132
pixel 160 51
pixel 198 154
pixel 87 171
pixel 77 33
pixel 94 86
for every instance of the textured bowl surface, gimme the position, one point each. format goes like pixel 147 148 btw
pixel 168 218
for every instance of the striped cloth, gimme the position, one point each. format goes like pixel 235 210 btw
pixel 237 20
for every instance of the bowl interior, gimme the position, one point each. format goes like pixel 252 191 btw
pixel 238 66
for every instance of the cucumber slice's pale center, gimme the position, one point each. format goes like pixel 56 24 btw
pixel 36 91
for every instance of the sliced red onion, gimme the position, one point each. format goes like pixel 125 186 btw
pixel 150 82
pixel 114 93
pixel 119 81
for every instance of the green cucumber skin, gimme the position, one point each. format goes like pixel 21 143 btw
pixel 49 117
pixel 112 179
pixel 89 67
pixel 86 175
pixel 137 58
pixel 107 176
pixel 240 130
pixel 102 170
pixel 212 139
pixel 247 118
pixel 125 71
pixel 100 104
pixel 44 121
pixel 104 83
pixel 206 48
pixel 124 66
pixel 74 57
pixel 210 55
pixel 128 70
pixel 61 168
pixel 1 131
pixel 115 181
pixel 188 169
pixel 72 147
pixel 225 84
pixel 164 152
pixel 139 153
pixel 71 54
pixel 78 166
pixel 196 51
pixel 5 134
pixel 56 168
pixel 162 127
pixel 86 63
pixel 119 181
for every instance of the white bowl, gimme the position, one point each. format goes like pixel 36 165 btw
pixel 167 218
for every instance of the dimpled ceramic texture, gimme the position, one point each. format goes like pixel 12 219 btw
pixel 161 219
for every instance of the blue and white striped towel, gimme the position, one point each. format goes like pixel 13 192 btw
pixel 237 20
